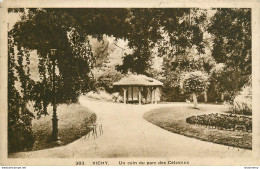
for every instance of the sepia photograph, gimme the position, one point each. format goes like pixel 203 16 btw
pixel 94 84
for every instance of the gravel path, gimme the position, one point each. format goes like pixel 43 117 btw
pixel 127 134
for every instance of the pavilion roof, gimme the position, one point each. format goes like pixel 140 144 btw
pixel 137 80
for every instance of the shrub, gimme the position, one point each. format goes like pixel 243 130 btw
pixel 100 95
pixel 116 97
pixel 103 95
pixel 171 89
pixel 106 80
pixel 242 103
pixel 194 83
pixel 172 94
pixel 222 121
pixel 241 106
pixel 90 120
pixel 20 135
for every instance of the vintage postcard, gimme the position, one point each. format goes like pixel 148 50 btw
pixel 130 83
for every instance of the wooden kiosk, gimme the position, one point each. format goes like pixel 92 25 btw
pixel 139 88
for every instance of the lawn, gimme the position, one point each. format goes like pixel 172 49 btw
pixel 174 119
pixel 70 125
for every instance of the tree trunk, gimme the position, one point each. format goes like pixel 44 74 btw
pixel 195 100
pixel 222 97
pixel 205 96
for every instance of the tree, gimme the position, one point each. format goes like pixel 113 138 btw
pixel 231 31
pixel 41 30
pixel 20 134
pixel 194 83
pixel 68 31
pixel 182 49
pixel 105 73
pixel 150 27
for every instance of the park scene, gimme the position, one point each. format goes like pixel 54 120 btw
pixel 129 82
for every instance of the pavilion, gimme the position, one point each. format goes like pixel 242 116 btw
pixel 139 88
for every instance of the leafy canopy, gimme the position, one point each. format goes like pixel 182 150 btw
pixel 232 37
pixel 194 82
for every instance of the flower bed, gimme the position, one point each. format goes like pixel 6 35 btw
pixel 223 121
pixel 174 119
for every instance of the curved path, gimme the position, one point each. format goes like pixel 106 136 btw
pixel 127 134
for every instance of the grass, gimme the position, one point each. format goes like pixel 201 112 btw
pixel 70 126
pixel 174 119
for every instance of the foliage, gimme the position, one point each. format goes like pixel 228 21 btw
pixel 149 32
pixel 242 103
pixel 194 82
pixel 42 30
pixel 231 31
pixel 20 136
pixel 101 50
pixel 107 79
pixel 222 121
pixel 105 72
pixel 183 49
pixel 229 82
pixel 175 68
pixel 177 35
pixel 171 90
pixel 103 95
pixel 215 90
pixel 241 106
pixel 67 29
pixel 117 97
